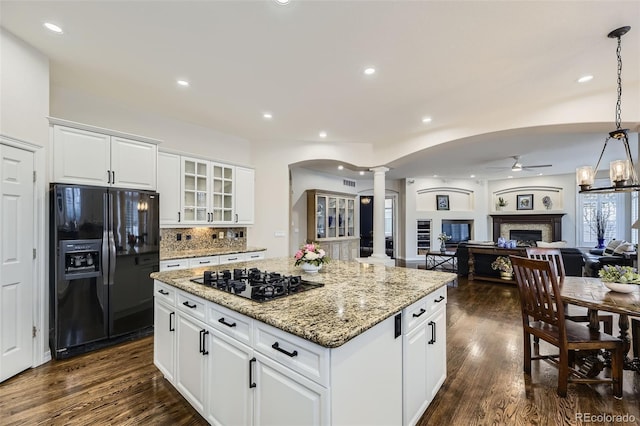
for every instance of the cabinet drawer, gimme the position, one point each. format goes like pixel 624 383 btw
pixel 191 305
pixel 203 261
pixel 254 255
pixel 302 356
pixel 437 299
pixel 231 258
pixel 171 265
pixel 413 315
pixel 164 292
pixel 230 323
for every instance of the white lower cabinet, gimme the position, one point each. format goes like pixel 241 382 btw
pixel 191 360
pixel 424 355
pixel 164 339
pixel 284 397
pixel 230 397
pixel 235 370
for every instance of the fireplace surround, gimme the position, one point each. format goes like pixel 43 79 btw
pixel 549 224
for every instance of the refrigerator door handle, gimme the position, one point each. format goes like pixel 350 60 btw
pixel 112 246
pixel 105 240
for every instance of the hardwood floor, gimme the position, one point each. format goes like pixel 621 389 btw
pixel 485 383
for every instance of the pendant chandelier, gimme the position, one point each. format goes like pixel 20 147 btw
pixel 622 173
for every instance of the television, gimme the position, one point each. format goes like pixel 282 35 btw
pixel 459 230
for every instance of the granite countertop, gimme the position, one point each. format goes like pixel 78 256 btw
pixel 186 254
pixel 355 296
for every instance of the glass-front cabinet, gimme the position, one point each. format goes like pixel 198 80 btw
pixel 331 221
pixel 195 190
pixel 222 193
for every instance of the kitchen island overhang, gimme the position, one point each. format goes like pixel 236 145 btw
pixel 354 297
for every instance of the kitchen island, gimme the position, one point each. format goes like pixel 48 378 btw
pixel 366 347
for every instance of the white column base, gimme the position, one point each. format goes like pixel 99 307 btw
pixel 374 260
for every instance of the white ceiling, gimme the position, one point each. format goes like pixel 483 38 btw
pixel 455 61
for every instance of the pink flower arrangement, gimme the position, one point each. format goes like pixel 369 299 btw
pixel 311 253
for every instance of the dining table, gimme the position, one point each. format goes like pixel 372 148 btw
pixel 592 294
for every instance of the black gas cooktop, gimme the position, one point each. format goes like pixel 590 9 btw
pixel 255 284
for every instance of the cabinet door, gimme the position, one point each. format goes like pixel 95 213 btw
pixel 230 399
pixel 81 157
pixel 436 352
pixel 283 397
pixel 169 188
pixel 191 359
pixel 195 191
pixel 164 332
pixel 244 196
pixel 222 183
pixel 415 396
pixel 133 164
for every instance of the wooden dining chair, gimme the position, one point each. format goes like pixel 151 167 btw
pixel 554 255
pixel 543 317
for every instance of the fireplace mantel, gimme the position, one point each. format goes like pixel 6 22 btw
pixel 552 220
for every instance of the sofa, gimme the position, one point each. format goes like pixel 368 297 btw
pixel 617 252
pixel 573 259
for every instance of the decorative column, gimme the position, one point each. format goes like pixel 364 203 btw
pixel 379 255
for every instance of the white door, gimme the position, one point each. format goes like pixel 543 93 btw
pixel 244 196
pixel 16 260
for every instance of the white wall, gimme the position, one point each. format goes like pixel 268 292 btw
pixel 175 135
pixel 24 91
pixel 473 206
pixel 565 204
pixel 24 106
pixel 301 180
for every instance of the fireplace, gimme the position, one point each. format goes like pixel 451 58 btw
pixel 550 225
pixel 525 237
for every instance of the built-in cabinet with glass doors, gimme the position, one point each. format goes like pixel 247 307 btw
pixel 331 221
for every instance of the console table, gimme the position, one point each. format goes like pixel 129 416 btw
pixel 492 250
pixel 445 260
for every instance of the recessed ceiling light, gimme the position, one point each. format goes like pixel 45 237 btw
pixel 361 172
pixel 340 167
pixel 53 27
pixel 435 175
pixel 322 134
pixel 539 174
pixel 472 176
pixel 183 83
pixel 585 78
pixel 282 2
pixel 426 119
pixel 369 71
pixel 509 177
pixel 267 116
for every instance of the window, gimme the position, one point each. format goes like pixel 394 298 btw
pixel 612 207
pixel 388 217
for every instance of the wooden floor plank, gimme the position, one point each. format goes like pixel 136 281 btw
pixel 485 383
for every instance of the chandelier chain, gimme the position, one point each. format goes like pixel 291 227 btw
pixel 619 102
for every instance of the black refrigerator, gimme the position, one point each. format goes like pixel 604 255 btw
pixel 104 243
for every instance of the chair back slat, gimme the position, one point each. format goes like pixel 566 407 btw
pixel 554 255
pixel 538 284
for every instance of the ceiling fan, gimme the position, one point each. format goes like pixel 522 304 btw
pixel 518 166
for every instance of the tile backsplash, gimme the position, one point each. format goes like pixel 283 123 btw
pixel 178 239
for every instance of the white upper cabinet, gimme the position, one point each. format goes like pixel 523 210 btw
pixel 133 164
pixel 222 194
pixel 169 188
pixel 244 196
pixel 85 155
pixel 81 157
pixel 196 191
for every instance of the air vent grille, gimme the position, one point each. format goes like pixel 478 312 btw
pixel 347 182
